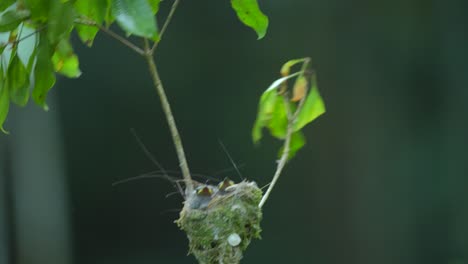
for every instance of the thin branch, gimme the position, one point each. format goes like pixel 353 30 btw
pixel 292 117
pixel 166 23
pixel 284 156
pixel 23 38
pixel 112 34
pixel 170 118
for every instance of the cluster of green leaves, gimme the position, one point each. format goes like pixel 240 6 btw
pixel 284 111
pixel 35 39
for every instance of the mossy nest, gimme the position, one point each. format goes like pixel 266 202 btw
pixel 220 221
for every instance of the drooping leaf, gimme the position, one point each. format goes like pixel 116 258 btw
pixel 299 89
pixel 65 60
pixel 266 107
pixel 286 68
pixel 11 19
pixel 135 17
pixel 278 120
pixel 5 3
pixel 297 142
pixel 250 14
pixel 154 5
pixel 44 72
pixel 17 82
pixel 96 10
pixel 313 107
pixel 60 23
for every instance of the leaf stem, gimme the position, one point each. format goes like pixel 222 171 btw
pixel 112 34
pixel 169 117
pixel 166 23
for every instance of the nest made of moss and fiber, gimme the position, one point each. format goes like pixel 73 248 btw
pixel 220 221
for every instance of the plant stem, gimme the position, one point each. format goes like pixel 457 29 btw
pixel 284 156
pixel 166 23
pixel 169 117
pixel 112 34
pixel 289 131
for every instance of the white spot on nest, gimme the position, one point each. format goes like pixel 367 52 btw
pixel 234 239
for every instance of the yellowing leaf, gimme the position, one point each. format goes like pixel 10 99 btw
pixel 300 89
pixel 286 68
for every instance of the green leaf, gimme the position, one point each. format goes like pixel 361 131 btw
pixel 60 23
pixel 250 14
pixel 313 107
pixel 5 50
pixel 297 142
pixel 10 19
pixel 96 10
pixel 65 60
pixel 17 82
pixel 44 72
pixel 135 17
pixel 39 9
pixel 5 3
pixel 266 108
pixel 154 6
pixel 278 121
pixel 4 100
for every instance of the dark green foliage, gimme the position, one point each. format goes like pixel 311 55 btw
pixel 95 10
pixel 45 27
pixel 5 3
pixel 44 71
pixel 17 82
pixel 10 19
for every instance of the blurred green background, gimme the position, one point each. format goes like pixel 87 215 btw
pixel 383 178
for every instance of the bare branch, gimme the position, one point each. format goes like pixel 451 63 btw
pixel 169 117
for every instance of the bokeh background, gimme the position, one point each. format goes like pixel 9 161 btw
pixel 383 178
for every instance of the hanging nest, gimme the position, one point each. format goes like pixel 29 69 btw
pixel 220 221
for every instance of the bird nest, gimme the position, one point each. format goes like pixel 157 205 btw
pixel 220 221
